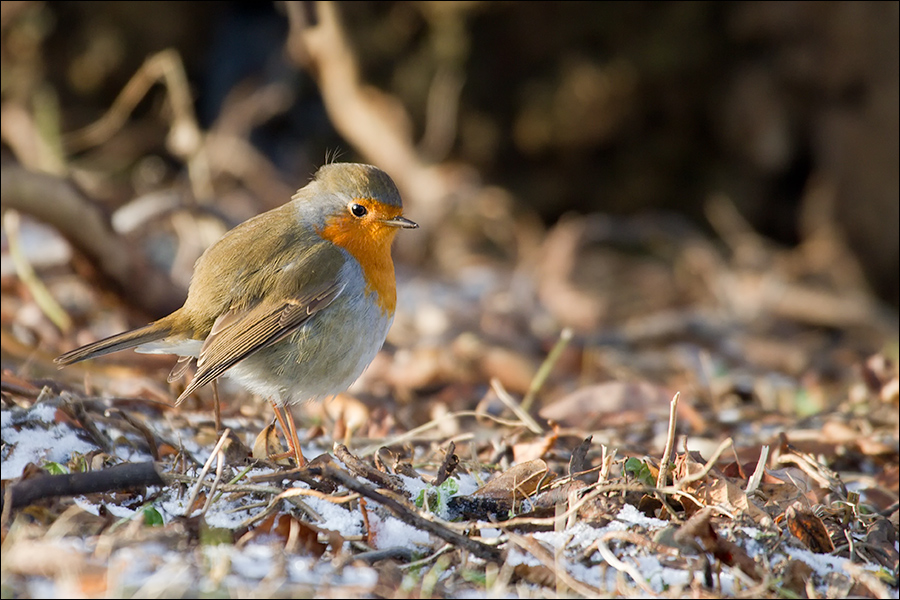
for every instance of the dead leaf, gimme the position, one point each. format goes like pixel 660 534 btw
pixel 527 451
pixel 795 576
pixel 298 537
pixel 715 489
pixel 268 444
pixel 516 483
pixel 807 527
pixel 699 534
pixel 498 496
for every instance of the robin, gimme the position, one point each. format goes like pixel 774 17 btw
pixel 294 303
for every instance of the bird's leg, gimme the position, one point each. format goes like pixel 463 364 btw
pixel 289 429
pixel 218 406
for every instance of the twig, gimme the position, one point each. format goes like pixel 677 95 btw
pixel 619 565
pixel 145 432
pixel 375 123
pixel 413 434
pixel 565 336
pixel 519 411
pixel 663 475
pixel 573 508
pixel 400 553
pixel 690 478
pixel 119 477
pixel 272 506
pixel 810 467
pixel 758 473
pixel 534 548
pixel 225 487
pixel 42 296
pixel 432 525
pixel 362 469
pixel 84 223
pixel 185 138
pixel 204 471
pixel 220 467
pixel 424 561
pixel 77 410
pixel 606 461
pixel 670 443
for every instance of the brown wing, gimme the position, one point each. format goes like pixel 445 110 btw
pixel 237 334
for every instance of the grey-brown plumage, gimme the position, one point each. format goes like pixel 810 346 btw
pixel 293 303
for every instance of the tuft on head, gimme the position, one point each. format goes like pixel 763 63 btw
pixel 354 180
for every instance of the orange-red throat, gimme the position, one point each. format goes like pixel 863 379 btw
pixel 368 239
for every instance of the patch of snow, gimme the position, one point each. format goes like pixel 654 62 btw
pixel 389 532
pixel 36 445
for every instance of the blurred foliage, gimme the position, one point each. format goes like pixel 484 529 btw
pixel 584 106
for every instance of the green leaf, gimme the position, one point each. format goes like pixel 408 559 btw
pixel 639 470
pixel 435 498
pixel 152 517
pixel 54 468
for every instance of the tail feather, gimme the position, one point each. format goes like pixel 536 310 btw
pixel 121 341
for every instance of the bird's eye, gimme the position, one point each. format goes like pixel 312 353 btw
pixel 358 210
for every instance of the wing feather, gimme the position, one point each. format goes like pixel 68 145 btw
pixel 238 333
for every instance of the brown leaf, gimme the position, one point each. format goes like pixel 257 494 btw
pixel 267 444
pixel 528 451
pixel 448 465
pixel 516 483
pixel 535 574
pixel 298 537
pixel 715 488
pixel 578 463
pixel 881 537
pixel 807 527
pixel 348 413
pixel 698 533
pixel 497 496
pixel 796 574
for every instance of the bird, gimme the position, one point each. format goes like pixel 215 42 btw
pixel 294 303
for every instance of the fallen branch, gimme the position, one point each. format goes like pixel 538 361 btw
pixel 410 517
pixel 86 226
pixel 119 477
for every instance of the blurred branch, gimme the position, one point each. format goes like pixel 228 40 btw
pixel 374 122
pixel 185 138
pixel 58 203
pixel 119 477
pixel 44 299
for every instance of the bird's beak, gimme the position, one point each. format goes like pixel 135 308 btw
pixel 401 222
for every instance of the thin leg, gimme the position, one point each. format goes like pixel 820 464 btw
pixel 218 405
pixel 289 429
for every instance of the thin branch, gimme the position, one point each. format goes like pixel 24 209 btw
pixel 85 224
pixel 119 477
pixel 411 517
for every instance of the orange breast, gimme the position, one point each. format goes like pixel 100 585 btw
pixel 369 242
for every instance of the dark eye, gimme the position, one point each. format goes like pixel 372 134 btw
pixel 358 210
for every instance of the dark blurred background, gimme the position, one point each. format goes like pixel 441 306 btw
pixel 790 109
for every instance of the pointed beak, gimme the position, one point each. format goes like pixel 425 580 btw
pixel 401 222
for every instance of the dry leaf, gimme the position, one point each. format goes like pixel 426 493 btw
pixel 525 452
pixel 808 528
pixel 715 489
pixel 298 537
pixel 267 444
pixel 519 481
pixel 699 534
